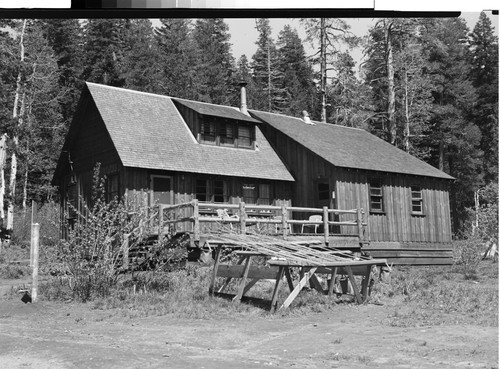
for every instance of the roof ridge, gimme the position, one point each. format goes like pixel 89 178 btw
pixel 128 90
pixel 203 102
pixel 314 121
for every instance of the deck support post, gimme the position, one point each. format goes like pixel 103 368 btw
pixel 196 219
pixel 243 220
pixel 326 229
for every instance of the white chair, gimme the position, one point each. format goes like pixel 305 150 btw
pixel 224 216
pixel 313 218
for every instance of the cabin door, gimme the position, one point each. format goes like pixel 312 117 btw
pixel 326 197
pixel 162 189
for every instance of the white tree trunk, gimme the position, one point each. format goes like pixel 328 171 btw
pixel 18 113
pixel 3 156
pixel 323 69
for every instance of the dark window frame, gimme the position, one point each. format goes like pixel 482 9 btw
pixel 226 133
pixel 417 200
pixel 215 190
pixel 376 195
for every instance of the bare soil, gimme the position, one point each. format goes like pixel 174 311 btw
pixel 73 335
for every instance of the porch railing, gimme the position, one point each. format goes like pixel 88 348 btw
pixel 243 215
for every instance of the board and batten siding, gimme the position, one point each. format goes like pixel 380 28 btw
pixel 397 223
pixel 351 187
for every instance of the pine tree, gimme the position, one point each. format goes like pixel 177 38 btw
pixel 297 83
pixel 454 139
pixel 64 36
pixel 177 59
pixel 331 35
pixel 483 47
pixel 215 62
pixel 103 45
pixel 139 63
pixel 267 76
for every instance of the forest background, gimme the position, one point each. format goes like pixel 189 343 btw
pixel 426 85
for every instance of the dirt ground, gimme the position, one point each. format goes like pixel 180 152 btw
pixel 73 335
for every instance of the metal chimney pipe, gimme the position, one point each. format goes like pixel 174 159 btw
pixel 243 98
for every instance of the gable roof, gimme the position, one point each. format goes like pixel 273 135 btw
pixel 148 132
pixel 349 147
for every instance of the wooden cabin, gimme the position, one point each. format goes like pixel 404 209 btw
pixel 177 150
pixel 406 200
pixel 172 150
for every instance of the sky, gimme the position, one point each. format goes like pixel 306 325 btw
pixel 244 35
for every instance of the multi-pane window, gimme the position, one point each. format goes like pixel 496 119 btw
pixel 208 190
pixel 208 132
pixel 416 200
pixel 225 132
pixel 202 190
pixel 249 193
pixel 376 196
pixel 244 136
pixel 264 194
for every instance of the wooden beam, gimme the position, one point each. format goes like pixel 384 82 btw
pixel 365 283
pixel 298 288
pixel 216 266
pixel 276 288
pixel 359 300
pixel 238 297
pixel 289 279
pixel 331 284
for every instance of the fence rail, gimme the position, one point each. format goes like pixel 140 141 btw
pixel 246 215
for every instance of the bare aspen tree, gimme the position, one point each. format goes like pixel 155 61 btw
pixel 17 114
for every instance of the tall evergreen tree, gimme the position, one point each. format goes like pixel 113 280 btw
pixel 483 46
pixel 64 36
pixel 267 76
pixel 103 45
pixel 215 68
pixel 329 36
pixel 297 83
pixel 454 138
pixel 177 59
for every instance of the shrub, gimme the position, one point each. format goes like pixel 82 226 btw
pixel 467 255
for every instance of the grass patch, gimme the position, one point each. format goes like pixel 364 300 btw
pixel 436 295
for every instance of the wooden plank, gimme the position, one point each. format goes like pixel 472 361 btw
pixel 331 284
pixel 316 284
pixel 276 288
pixel 216 267
pixel 365 283
pixel 236 271
pixel 303 281
pixel 334 264
pixel 238 297
pixel 250 285
pixel 354 285
pixel 289 279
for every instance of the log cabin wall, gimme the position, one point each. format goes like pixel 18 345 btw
pixel 349 189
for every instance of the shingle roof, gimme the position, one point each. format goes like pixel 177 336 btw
pixel 216 110
pixel 148 132
pixel 349 147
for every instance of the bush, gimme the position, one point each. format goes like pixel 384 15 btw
pixel 467 255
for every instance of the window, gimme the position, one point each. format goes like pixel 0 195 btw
pixel 226 134
pixel 208 132
pixel 249 193
pixel 416 200
pixel 323 191
pixel 208 190
pixel 376 196
pixel 220 191
pixel 202 190
pixel 264 194
pixel 112 186
pixel 244 136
